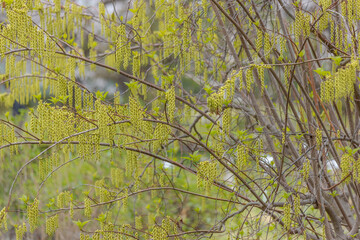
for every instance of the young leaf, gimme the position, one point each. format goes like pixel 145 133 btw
pixel 322 72
pixel 302 53
pixel 81 224
pixel 337 60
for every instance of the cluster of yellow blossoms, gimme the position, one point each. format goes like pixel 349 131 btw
pixel 52 223
pixel 206 174
pixel 33 215
pixel 341 84
pixel 20 231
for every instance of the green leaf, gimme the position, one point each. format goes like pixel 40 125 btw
pixel 81 224
pixel 134 10
pixel 133 86
pixel 38 97
pixel 180 20
pixel 333 193
pixel 51 203
pixel 7 114
pixel 63 99
pixel 195 156
pixel 227 102
pixel 299 136
pixel 54 100
pixel 356 149
pixel 296 4
pixel 8 2
pixel 208 89
pixel 168 79
pixel 337 60
pixel 101 218
pixel 24 198
pixel 241 132
pixel 302 53
pixel 348 149
pixel 94 44
pixel 286 195
pixel 101 95
pixel 322 72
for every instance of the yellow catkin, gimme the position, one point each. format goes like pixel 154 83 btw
pixel 87 237
pixel 3 219
pixel 102 16
pixel 138 222
pixel 249 79
pixel 87 207
pixel 259 39
pixel 327 90
pixel 170 103
pixel 135 112
pixel 346 166
pixel 20 230
pixel 306 169
pixel 239 75
pixel 261 78
pixel 71 210
pixel 116 177
pixel 318 138
pixel 136 64
pixel 159 233
pixel 267 45
pixel 356 174
pixel 226 120
pixel 125 199
pixel 287 216
pixel 297 205
pixel 287 70
pixel 33 215
pixel 63 199
pixel 242 157
pixel 206 174
pixel 52 223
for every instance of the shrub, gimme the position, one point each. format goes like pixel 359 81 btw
pixel 219 118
